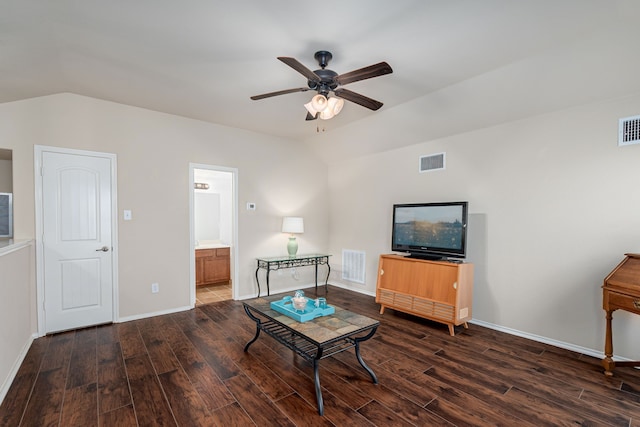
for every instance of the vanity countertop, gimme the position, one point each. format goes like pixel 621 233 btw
pixel 205 245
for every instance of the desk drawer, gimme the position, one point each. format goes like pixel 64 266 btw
pixel 625 302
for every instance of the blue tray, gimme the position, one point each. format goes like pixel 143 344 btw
pixel 285 306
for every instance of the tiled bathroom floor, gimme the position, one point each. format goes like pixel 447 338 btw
pixel 213 293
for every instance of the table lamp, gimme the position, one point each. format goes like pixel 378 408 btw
pixel 292 225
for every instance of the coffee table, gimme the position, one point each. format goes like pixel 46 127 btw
pixel 315 339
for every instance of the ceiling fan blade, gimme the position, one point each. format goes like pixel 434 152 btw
pixel 280 92
pixel 379 69
pixel 296 65
pixel 369 103
pixel 310 116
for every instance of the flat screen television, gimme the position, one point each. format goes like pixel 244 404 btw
pixel 430 230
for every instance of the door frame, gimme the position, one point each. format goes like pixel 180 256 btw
pixel 37 163
pixel 234 231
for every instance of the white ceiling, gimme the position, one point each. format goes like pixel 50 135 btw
pixel 458 64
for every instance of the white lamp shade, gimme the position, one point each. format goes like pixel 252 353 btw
pixel 326 114
pixel 319 102
pixel 292 224
pixel 310 109
pixel 336 104
pixel 334 107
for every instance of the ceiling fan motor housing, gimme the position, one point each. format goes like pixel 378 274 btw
pixel 326 83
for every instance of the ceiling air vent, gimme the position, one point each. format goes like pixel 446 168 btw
pixel 432 162
pixel 629 131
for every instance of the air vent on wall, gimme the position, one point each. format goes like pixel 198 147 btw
pixel 432 162
pixel 353 265
pixel 629 131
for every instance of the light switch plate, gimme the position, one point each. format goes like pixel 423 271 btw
pixel 127 215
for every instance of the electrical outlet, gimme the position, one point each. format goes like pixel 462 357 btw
pixel 155 288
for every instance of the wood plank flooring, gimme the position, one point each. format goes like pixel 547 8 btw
pixel 189 369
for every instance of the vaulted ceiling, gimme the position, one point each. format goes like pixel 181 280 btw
pixel 458 65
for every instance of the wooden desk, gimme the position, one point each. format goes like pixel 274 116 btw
pixel 621 290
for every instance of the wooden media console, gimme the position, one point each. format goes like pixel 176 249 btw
pixel 436 290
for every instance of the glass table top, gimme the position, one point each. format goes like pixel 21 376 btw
pixel 289 258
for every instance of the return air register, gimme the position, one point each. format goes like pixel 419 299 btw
pixel 353 265
pixel 629 131
pixel 432 162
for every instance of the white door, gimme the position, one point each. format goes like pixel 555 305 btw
pixel 77 239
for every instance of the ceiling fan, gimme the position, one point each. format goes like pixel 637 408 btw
pixel 325 81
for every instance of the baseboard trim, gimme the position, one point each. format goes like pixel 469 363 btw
pixel 561 344
pixel 538 338
pixel 152 314
pixel 351 288
pixel 14 369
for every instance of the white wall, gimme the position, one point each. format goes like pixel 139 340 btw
pixel 17 308
pixel 554 206
pixel 153 154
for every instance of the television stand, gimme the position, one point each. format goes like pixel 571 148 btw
pixel 436 290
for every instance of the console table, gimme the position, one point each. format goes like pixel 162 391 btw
pixel 316 339
pixel 276 263
pixel 621 290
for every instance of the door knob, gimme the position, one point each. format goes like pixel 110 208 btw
pixel 103 249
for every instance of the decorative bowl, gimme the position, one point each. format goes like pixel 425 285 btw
pixel 299 303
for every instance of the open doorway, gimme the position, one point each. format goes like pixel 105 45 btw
pixel 213 225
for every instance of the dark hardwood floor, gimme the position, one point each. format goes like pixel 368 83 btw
pixel 189 369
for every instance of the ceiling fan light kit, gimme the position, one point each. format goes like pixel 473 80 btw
pixel 324 108
pixel 325 81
